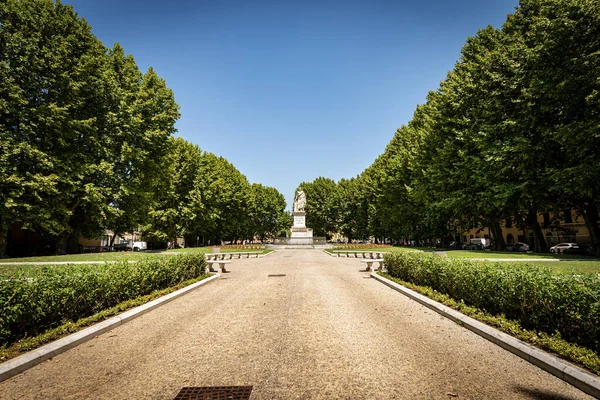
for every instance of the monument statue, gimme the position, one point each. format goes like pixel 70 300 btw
pixel 300 201
pixel 301 234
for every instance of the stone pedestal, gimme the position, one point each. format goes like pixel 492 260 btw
pixel 300 233
pixel 299 219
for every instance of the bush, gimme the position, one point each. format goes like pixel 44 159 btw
pixel 564 305
pixel 34 303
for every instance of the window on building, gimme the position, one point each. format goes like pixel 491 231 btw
pixel 568 216
pixel 546 218
pixel 510 239
pixel 508 222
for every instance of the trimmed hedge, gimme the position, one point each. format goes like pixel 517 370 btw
pixel 32 303
pixel 563 305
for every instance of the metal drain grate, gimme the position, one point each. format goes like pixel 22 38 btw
pixel 275 275
pixel 215 393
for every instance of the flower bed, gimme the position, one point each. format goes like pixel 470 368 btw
pixel 242 246
pixel 360 246
pixel 37 302
pixel 567 306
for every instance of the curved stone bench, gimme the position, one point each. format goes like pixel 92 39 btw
pixel 370 261
pixel 209 265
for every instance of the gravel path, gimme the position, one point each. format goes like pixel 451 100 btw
pixel 325 330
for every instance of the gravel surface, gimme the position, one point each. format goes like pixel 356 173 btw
pixel 325 330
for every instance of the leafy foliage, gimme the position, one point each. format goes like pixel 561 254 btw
pixel 81 129
pixel 551 342
pixel 322 205
pixel 35 302
pixel 532 296
pixel 510 133
pixel 86 144
pixel 201 195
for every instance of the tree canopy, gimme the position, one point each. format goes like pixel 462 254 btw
pixel 86 144
pixel 510 133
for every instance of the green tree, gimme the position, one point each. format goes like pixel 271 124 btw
pixel 265 209
pixel 322 206
pixel 143 115
pixel 559 43
pixel 178 203
pixel 82 130
pixel 284 224
pixel 54 88
pixel 225 192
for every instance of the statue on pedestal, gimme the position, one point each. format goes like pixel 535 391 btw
pixel 300 201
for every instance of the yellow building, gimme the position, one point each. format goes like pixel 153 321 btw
pixel 558 227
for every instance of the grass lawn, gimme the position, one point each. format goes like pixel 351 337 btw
pixel 578 265
pixel 374 248
pixel 190 250
pixel 209 250
pixel 9 268
pixel 108 256
pixel 568 267
pixel 506 254
pixel 121 255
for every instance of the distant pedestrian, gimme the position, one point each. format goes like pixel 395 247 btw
pixel 169 245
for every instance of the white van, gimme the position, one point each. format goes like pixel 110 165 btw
pixel 139 246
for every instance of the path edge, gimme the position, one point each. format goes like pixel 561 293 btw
pixel 266 254
pixel 19 364
pixel 570 373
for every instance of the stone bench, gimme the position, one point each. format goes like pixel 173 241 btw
pixel 221 263
pixel 370 262
pixel 230 256
pixel 365 254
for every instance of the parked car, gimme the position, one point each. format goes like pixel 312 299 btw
pixel 477 244
pixel 485 243
pixel 518 247
pixel 474 246
pixel 122 246
pixel 570 248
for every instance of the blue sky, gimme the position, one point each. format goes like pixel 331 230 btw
pixel 290 91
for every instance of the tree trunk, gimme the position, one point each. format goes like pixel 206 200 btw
pixel 73 243
pixel 3 242
pixel 589 210
pixel 112 240
pixel 63 240
pixel 61 244
pixel 496 229
pixel 540 240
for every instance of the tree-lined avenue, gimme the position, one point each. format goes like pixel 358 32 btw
pixel 325 330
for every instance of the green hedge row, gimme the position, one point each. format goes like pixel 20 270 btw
pixel 30 304
pixel 566 305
